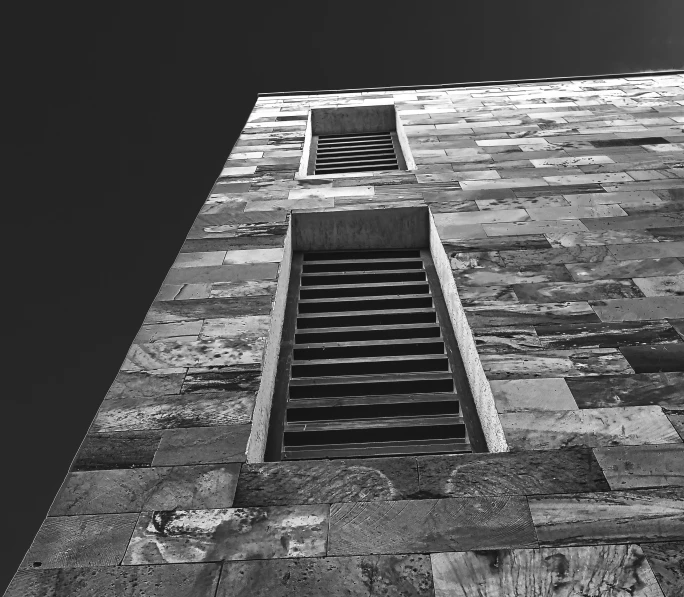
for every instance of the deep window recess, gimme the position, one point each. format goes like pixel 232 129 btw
pixel 360 152
pixel 369 364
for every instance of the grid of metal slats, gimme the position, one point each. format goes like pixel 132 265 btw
pixel 369 375
pixel 336 154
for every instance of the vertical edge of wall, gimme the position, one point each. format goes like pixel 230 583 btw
pixel 256 446
pixel 306 150
pixel 482 391
pixel 404 142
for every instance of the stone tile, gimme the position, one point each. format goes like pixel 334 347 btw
pixel 507 203
pixel 523 314
pixel 641 222
pixel 327 481
pixel 493 275
pixel 178 536
pixel 606 335
pixel 557 292
pixel 129 449
pixel 635 268
pixel 243 289
pixel 628 467
pixel 555 363
pixel 657 307
pixel 587 178
pixel 240 379
pixel 429 525
pixel 662 389
pixel 615 570
pixel 401 576
pixel 181 330
pixel 665 560
pixel 180 580
pixel 481 217
pixel 158 488
pixel 596 427
pixel 505 339
pixel 222 273
pixel 513 395
pixel 253 256
pixel 667 234
pixel 654 359
pixel 502 243
pixel 472 295
pixel 533 227
pixel 202 445
pixel 245 327
pixel 77 541
pixel 455 233
pixel 138 384
pixel 523 473
pixel 616 516
pixel 474 260
pixel 676 417
pixel 647 250
pixel 602 237
pixel 661 285
pixel 557 255
pixel 678 324
pixel 212 308
pixel 627 198
pixel 166 412
pixel 199 259
pixel 575 212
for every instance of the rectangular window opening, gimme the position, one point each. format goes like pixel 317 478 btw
pixel 369 364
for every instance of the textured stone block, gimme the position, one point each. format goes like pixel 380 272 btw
pixel 665 560
pixel 202 445
pixel 626 467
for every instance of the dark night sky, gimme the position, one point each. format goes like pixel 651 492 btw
pixel 120 118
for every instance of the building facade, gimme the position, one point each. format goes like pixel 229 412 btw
pixel 554 215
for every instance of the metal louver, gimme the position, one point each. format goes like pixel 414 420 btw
pixel 368 372
pixel 362 152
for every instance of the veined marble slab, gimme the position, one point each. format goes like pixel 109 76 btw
pixel 491 275
pixel 535 472
pixel 138 384
pixel 178 536
pixel 628 426
pixel 243 288
pixel 635 268
pixel 515 203
pixel 179 580
pixel 505 339
pixel 656 307
pixel 557 255
pixel 665 561
pixel 166 412
pixel 158 488
pixel 253 256
pixel 481 217
pixel 636 222
pixel 199 259
pixel 327 481
pixel 118 450
pixel 616 516
pixel 222 273
pixel 502 243
pixel 610 570
pixel 472 295
pixel 575 212
pixel 662 389
pixel 202 445
pixel 529 314
pixel 428 526
pixel 647 251
pixel 238 379
pixel 513 395
pixel 661 285
pixel 653 359
pixel 627 467
pixel 534 227
pixel 603 237
pixel 211 308
pixel 77 541
pixel 606 335
pixel 475 259
pixel 572 161
pixel 555 292
pixel 168 331
pixel 670 234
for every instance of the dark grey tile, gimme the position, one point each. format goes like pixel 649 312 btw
pixel 670 233
pixel 506 339
pixel 327 481
pixel 654 359
pixel 628 467
pixel 137 384
pixel 676 417
pixel 633 268
pixel 612 517
pixel 662 389
pixel 119 450
pixel 427 526
pixel 237 378
pixel 203 445
pixel 202 245
pixel 641 222
pixel 606 335
pixel 557 255
pixel 76 541
pixel 489 275
pixel 558 292
pixel 211 308
pixel 499 243
pixel 678 324
pixel 522 473
pixel 529 314
pixel 666 560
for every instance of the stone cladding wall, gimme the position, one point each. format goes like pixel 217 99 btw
pixel 561 208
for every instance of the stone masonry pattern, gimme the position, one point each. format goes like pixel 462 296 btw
pixel 561 208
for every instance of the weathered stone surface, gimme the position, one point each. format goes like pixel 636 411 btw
pixel 137 384
pixel 202 445
pixel 178 536
pixel 626 467
pixel 550 394
pixel 663 389
pixel 665 560
pixel 127 449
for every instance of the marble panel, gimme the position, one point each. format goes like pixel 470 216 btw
pixel 253 256
pixel 496 203
pixel 532 227
pixel 202 445
pixel 472 295
pixel 596 571
pixel 178 536
pixel 242 289
pixel 245 327
pixel 640 222
pixel 555 292
pixel 535 472
pixel 78 541
pixel 505 339
pixel 425 526
pixel 454 233
pixel 158 488
pixel 612 517
pixel 199 259
pixel 602 237
pixel 647 250
pixel 180 580
pixel 661 285
pixel 183 330
pixel 492 275
pixel 209 409
pixel 223 379
pixel 437 207
pixel 529 314
pixel 662 389
pixel 634 268
pixel 628 426
pixel 575 212
pixel 628 467
pixel 557 255
pixel 290 204
pixel 222 273
pixel 513 395
pixel 676 417
pixel 654 359
pixel 502 243
pixel 193 291
pixel 626 198
pixel 211 308
pixel 139 384
pixel 119 450
pixel 327 481
pixel 657 307
pixel 555 363
pixel 474 259
pixel 669 234
pixel 678 324
pixel 665 560
pixel 606 335
pixel 481 217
